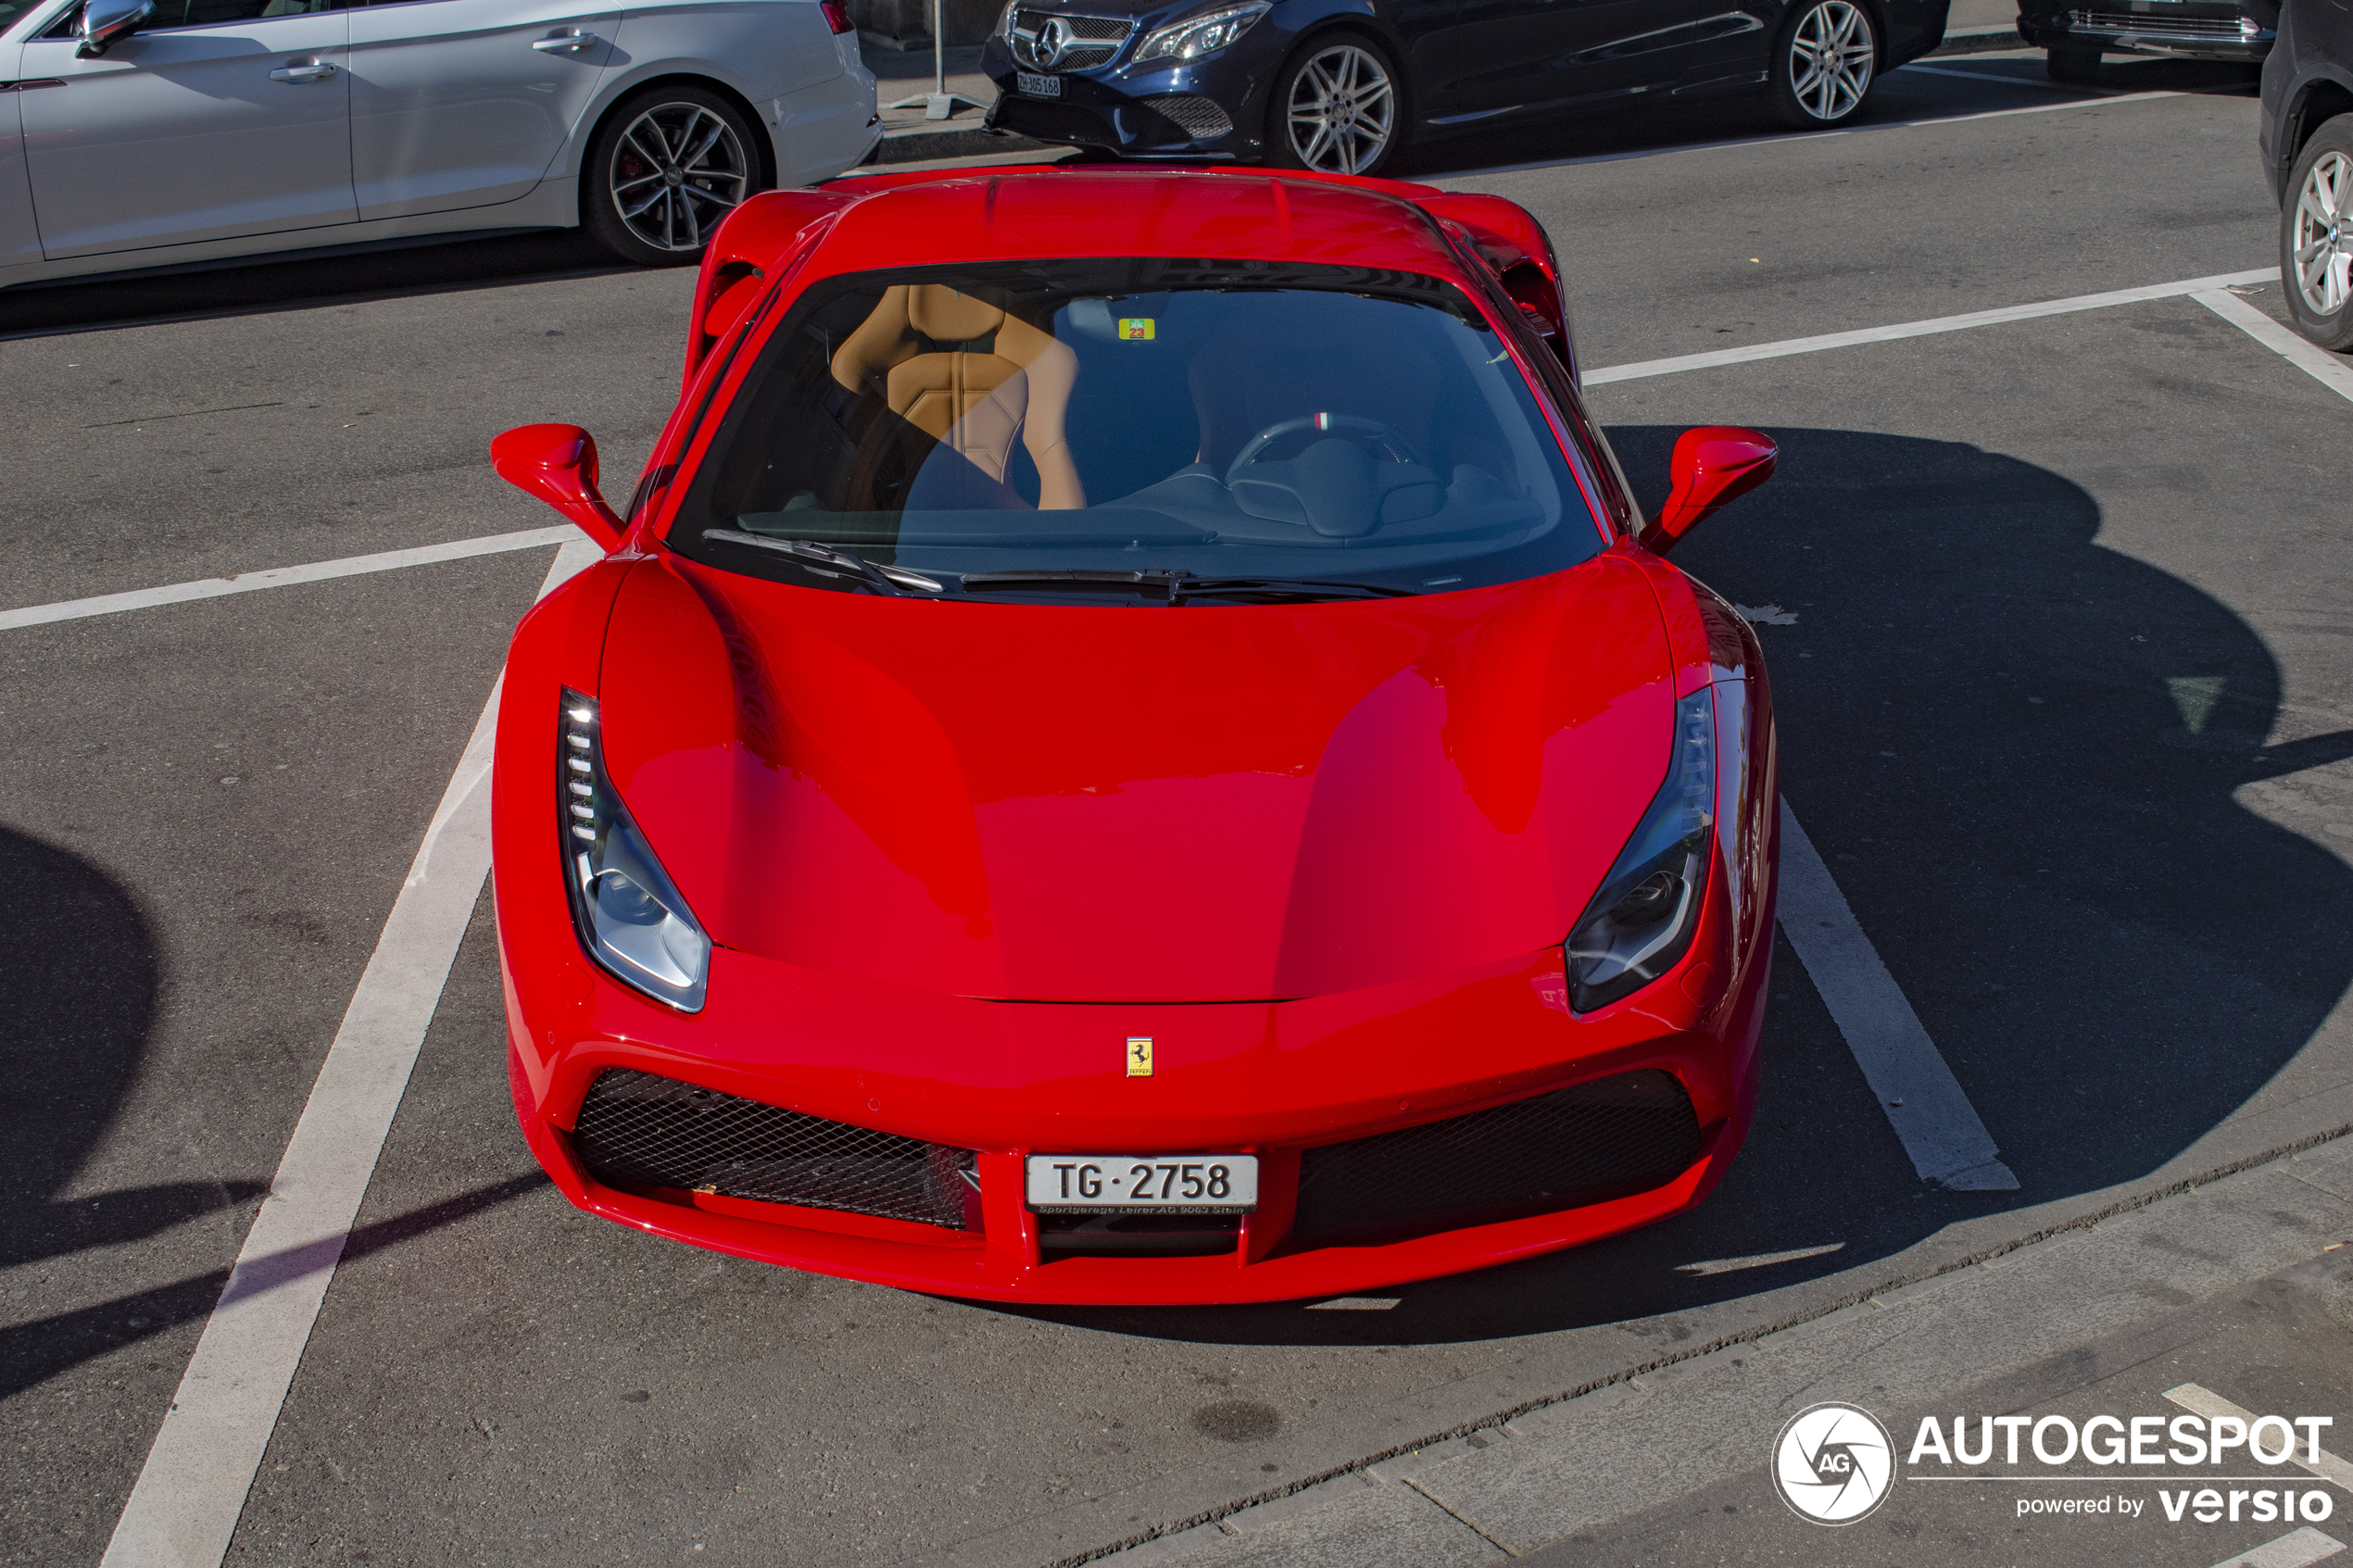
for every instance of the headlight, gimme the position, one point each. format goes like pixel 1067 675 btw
pixel 1642 921
pixel 629 914
pixel 1201 36
pixel 1006 22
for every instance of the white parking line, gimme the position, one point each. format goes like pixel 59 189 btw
pixel 286 576
pixel 2318 1459
pixel 185 1506
pixel 1761 1260
pixel 1641 369
pixel 1924 1103
pixel 2206 290
pixel 2291 1550
pixel 2331 370
pixel 2004 79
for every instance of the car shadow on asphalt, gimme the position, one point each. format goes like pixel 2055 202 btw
pixel 83 993
pixel 2017 750
pixel 85 980
pixel 37 1349
pixel 302 281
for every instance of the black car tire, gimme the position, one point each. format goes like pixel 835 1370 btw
pixel 2073 64
pixel 1824 63
pixel 696 153
pixel 1343 85
pixel 2323 173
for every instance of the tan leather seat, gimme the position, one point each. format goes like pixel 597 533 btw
pixel 971 377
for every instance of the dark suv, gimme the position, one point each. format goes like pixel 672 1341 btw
pixel 1340 84
pixel 2077 32
pixel 2307 152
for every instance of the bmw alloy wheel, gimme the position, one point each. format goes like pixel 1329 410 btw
pixel 2321 239
pixel 1831 54
pixel 676 171
pixel 1342 112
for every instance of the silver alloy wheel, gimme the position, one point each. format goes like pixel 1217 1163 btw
pixel 1342 110
pixel 676 171
pixel 1831 59
pixel 2323 234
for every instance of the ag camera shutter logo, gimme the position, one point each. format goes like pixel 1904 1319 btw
pixel 1833 1463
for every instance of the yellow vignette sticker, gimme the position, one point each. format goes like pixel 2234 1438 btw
pixel 1138 328
pixel 1139 1055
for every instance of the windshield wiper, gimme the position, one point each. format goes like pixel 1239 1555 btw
pixel 1290 587
pixel 892 580
pixel 1179 586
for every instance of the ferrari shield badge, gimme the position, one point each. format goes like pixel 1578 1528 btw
pixel 1139 1055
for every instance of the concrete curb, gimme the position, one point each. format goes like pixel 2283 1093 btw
pixel 1201 1497
pixel 1981 42
pixel 965 140
pixel 1492 1438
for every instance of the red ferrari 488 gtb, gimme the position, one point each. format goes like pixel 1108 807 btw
pixel 1132 746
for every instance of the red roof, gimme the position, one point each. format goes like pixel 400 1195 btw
pixel 1000 214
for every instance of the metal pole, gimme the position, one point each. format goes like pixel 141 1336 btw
pixel 939 103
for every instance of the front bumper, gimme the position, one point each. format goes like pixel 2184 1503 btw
pixel 1211 109
pixel 2199 31
pixel 1003 1079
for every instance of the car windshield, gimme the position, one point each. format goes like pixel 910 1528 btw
pixel 1135 430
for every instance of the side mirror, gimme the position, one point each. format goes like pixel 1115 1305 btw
pixel 103 21
pixel 1712 465
pixel 557 464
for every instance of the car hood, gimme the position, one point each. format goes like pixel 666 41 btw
pixel 1085 803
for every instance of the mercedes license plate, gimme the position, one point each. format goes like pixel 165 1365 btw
pixel 1092 1184
pixel 1038 86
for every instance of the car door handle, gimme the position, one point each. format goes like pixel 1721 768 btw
pixel 318 70
pixel 564 43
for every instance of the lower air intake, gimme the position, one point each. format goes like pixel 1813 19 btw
pixel 1137 1236
pixel 637 1130
pixel 1052 122
pixel 1610 1138
pixel 1199 118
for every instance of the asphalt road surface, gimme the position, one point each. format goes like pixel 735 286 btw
pixel 2057 614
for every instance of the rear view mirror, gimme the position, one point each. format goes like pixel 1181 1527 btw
pixel 1712 465
pixel 103 21
pixel 557 464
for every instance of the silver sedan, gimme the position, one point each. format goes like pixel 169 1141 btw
pixel 139 134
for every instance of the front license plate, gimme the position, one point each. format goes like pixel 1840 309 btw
pixel 1038 86
pixel 1090 1184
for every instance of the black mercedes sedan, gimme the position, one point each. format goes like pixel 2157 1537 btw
pixel 1340 84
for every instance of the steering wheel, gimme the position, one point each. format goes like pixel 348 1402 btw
pixel 1348 425
pixel 1334 487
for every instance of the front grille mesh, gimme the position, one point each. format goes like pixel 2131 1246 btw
pixel 1200 117
pixel 1610 1138
pixel 1087 42
pixel 640 1129
pixel 2180 27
